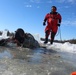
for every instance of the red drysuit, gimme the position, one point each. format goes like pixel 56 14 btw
pixel 52 22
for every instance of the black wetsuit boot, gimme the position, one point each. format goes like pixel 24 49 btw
pixel 46 37
pixel 52 37
pixel 46 41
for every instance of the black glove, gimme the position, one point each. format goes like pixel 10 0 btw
pixel 44 23
pixel 58 25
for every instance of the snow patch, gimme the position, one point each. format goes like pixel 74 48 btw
pixel 66 47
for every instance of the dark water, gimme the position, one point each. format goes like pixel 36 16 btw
pixel 24 61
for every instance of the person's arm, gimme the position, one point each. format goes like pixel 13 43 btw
pixel 59 19
pixel 45 19
pixel 44 22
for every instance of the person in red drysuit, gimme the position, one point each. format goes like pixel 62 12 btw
pixel 53 21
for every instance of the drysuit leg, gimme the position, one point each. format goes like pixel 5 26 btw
pixel 46 36
pixel 52 37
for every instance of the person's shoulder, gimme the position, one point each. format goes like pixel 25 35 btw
pixel 58 13
pixel 48 14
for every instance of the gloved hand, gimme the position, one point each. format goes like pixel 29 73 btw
pixel 44 23
pixel 58 25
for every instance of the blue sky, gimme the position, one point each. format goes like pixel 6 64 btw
pixel 29 15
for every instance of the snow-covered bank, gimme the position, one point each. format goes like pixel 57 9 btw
pixel 66 47
pixel 4 35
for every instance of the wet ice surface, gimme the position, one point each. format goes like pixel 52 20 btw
pixel 24 61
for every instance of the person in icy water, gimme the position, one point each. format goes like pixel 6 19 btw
pixel 19 36
pixel 53 21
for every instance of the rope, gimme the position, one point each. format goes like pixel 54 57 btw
pixel 59 32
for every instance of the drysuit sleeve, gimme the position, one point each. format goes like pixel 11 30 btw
pixel 46 17
pixel 59 18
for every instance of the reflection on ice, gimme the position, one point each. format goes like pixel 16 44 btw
pixel 33 62
pixel 36 57
pixel 5 54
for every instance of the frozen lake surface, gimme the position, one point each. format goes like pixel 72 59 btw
pixel 41 61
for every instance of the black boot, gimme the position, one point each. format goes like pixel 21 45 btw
pixel 46 37
pixel 51 42
pixel 46 41
pixel 52 37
